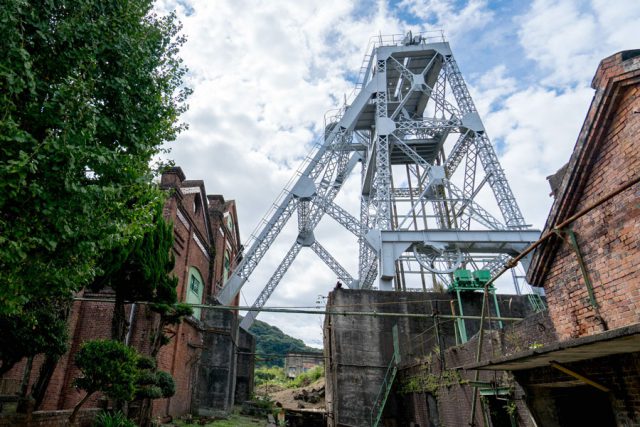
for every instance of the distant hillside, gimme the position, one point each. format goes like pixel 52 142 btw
pixel 272 344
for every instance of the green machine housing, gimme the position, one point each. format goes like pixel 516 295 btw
pixel 465 280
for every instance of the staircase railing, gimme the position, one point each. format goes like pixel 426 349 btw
pixel 387 383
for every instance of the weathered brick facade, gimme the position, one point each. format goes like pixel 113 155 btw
pixel 205 230
pixel 606 156
pixel 585 368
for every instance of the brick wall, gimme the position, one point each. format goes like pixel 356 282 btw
pixel 449 404
pixel 87 320
pixel 606 157
pixel 49 419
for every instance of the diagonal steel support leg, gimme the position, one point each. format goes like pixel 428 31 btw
pixel 271 285
pixel 332 263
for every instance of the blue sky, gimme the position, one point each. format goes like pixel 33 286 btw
pixel 265 72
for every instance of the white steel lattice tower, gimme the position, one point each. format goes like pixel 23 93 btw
pixel 425 160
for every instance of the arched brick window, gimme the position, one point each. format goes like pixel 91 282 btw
pixel 227 266
pixel 195 290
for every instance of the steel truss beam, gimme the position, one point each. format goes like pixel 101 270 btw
pixel 332 263
pixel 392 244
pixel 411 99
pixel 271 285
pixel 341 216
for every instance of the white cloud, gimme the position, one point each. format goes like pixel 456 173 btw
pixel 493 86
pixel 446 14
pixel 539 128
pixel 567 39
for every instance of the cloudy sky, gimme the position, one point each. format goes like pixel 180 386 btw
pixel 265 72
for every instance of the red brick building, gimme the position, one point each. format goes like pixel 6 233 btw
pixel 207 248
pixel 585 368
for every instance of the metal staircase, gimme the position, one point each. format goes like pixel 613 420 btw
pixel 387 383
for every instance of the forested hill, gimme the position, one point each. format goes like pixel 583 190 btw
pixel 272 344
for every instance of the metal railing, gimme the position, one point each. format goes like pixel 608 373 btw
pixel 387 383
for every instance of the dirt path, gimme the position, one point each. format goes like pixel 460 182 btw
pixel 309 397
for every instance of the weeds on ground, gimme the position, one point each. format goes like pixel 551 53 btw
pixel 275 376
pixel 234 420
pixel 307 378
pixel 112 419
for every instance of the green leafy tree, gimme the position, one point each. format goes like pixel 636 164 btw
pixel 152 384
pixel 109 367
pixel 89 92
pixel 272 344
pixel 140 271
pixel 42 329
pixel 170 314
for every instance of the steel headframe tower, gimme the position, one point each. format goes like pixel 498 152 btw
pixel 425 160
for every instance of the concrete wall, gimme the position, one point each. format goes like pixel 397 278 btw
pixel 245 366
pixel 215 380
pixel 297 363
pixel 360 348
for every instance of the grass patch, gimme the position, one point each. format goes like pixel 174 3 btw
pixel 306 378
pixel 234 420
pixel 276 377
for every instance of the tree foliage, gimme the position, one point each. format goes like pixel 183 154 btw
pixel 272 344
pixel 41 329
pixel 89 91
pixel 120 373
pixel 140 271
pixel 109 367
pixel 270 375
pixel 153 384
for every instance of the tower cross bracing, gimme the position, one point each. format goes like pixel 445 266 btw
pixel 427 171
